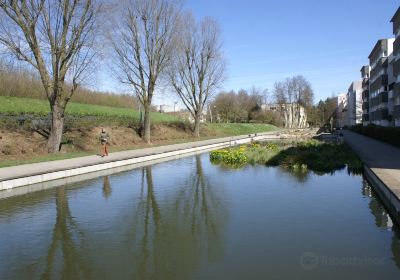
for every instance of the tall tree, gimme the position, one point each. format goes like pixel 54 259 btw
pixel 56 37
pixel 198 65
pixel 143 42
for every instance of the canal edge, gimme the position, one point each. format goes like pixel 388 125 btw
pixel 13 183
pixel 389 199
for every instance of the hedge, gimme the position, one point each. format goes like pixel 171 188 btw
pixel 389 135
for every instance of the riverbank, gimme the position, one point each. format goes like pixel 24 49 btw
pixel 22 146
pixel 16 176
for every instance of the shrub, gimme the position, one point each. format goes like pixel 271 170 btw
pixel 231 157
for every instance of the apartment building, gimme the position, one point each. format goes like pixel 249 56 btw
pixel 396 68
pixel 380 77
pixel 365 94
pixel 354 103
pixel 341 110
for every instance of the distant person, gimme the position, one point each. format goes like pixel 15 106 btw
pixel 340 138
pixel 104 138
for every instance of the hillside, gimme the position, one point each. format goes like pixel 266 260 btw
pixel 21 144
pixel 17 106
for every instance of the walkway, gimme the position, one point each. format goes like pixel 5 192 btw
pixel 383 159
pixel 14 176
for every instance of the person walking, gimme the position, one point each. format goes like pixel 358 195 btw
pixel 104 137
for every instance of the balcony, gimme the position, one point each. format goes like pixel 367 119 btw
pixel 381 114
pixel 396 67
pixel 381 98
pixel 396 46
pixel 365 106
pixel 365 117
pixel 382 81
pixel 396 91
pixel 365 94
pixel 377 68
pixel 365 83
pixel 396 112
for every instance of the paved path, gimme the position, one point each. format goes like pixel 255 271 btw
pixel 26 170
pixel 383 159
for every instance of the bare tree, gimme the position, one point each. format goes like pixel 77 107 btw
pixel 56 37
pixel 143 43
pixel 197 69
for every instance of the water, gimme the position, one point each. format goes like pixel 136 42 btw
pixel 189 219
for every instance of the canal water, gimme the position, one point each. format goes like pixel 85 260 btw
pixel 189 219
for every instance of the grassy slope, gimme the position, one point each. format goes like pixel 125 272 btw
pixel 222 130
pixel 16 105
pixel 230 129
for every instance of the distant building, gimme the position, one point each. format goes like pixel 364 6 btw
pixel 341 110
pixel 396 68
pixel 187 116
pixel 166 108
pixel 354 103
pixel 293 114
pixel 203 118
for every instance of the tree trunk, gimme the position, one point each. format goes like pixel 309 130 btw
pixel 56 129
pixel 146 125
pixel 196 130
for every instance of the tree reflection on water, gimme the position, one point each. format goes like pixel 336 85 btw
pixel 64 259
pixel 170 240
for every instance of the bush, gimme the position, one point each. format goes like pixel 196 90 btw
pixel 389 135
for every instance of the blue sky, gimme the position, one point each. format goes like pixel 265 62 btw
pixel 325 41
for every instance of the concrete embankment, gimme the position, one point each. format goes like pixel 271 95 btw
pixel 382 168
pixel 38 173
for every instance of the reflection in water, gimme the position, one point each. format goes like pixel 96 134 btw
pixel 106 187
pixel 382 219
pixel 63 259
pixel 169 241
pixel 299 175
pixel 176 228
pixel 200 213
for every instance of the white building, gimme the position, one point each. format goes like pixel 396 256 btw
pixel 381 76
pixel 354 103
pixel 395 62
pixel 341 110
pixel 167 108
pixel 294 114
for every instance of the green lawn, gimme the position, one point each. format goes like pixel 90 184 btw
pixel 16 105
pixel 240 128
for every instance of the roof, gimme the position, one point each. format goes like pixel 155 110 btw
pixel 377 45
pixel 362 68
pixel 396 14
